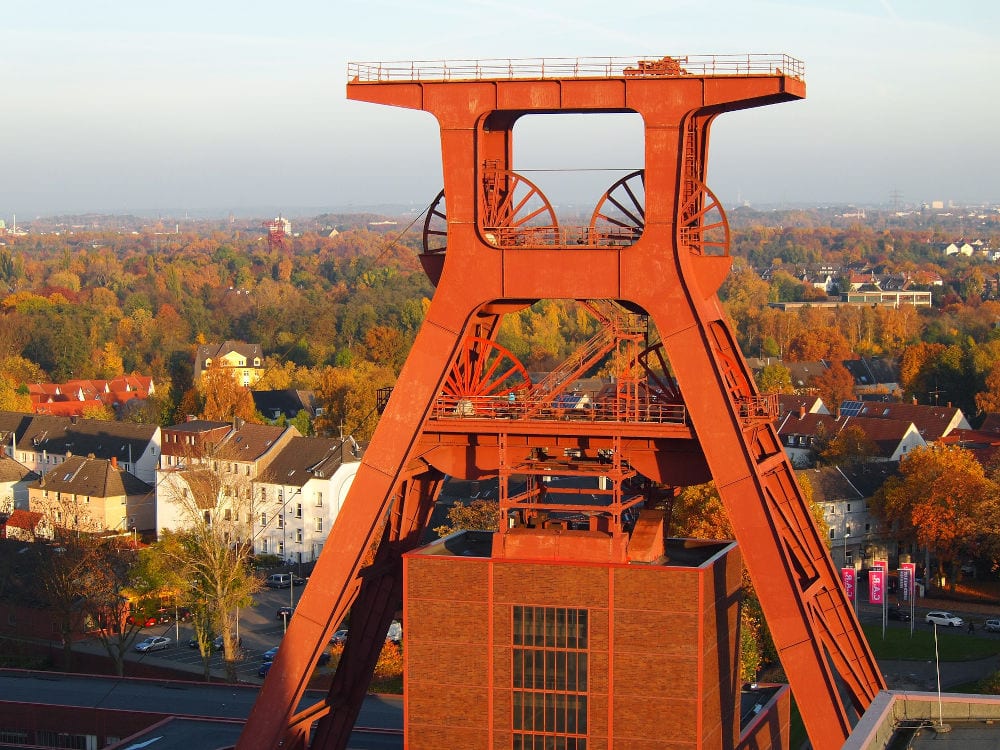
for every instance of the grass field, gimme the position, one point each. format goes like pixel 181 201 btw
pixel 954 644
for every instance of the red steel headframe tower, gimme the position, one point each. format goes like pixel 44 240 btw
pixel 684 409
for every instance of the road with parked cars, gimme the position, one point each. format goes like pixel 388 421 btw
pixel 261 628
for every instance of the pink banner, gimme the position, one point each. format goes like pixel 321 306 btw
pixel 847 578
pixel 876 586
pixel 881 565
pixel 907 578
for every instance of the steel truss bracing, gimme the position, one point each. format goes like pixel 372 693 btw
pixel 684 408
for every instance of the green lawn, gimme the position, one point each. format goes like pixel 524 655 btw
pixel 953 644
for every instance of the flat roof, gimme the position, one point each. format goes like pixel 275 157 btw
pixel 682 553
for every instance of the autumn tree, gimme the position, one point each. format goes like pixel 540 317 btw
pixel 225 400
pixel 835 385
pixel 210 551
pixel 988 401
pixel 349 396
pixel 118 597
pixel 775 378
pixel 942 501
pixel 479 514
pixel 850 445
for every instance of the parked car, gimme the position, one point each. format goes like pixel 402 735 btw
pixel 264 669
pixel 152 643
pixel 270 654
pixel 324 659
pixel 279 580
pixel 142 621
pixel 896 613
pixel 284 612
pixel 939 617
pixel 339 638
pixel 992 625
pixel 218 643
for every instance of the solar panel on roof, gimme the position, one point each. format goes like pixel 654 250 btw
pixel 851 408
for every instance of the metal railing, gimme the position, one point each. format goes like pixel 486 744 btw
pixel 656 66
pixel 501 407
pixel 562 236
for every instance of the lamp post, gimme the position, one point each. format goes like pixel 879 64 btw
pixel 847 535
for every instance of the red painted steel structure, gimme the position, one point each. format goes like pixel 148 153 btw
pixel 657 248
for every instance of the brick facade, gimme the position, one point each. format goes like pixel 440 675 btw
pixel 662 652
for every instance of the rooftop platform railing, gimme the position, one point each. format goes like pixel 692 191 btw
pixel 502 408
pixel 651 66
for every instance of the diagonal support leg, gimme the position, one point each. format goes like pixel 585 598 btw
pixel 380 595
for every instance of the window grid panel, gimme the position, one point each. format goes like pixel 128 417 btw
pixel 549 675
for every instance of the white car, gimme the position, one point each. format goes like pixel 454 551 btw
pixel 992 625
pixel 944 618
pixel 152 643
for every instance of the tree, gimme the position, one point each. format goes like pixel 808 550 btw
pixel 850 445
pixel 225 399
pixel 988 401
pixel 479 514
pixel 943 501
pixel 118 597
pixel 835 385
pixel 775 378
pixel 210 555
pixel 14 397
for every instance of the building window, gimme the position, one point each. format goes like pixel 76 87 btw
pixel 319 524
pixel 298 536
pixel 281 521
pixel 833 534
pixel 263 519
pixel 550 678
pixel 281 548
pixel 319 499
pixel 848 508
pixel 298 510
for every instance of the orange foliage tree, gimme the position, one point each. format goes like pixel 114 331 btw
pixel 943 501
pixel 225 399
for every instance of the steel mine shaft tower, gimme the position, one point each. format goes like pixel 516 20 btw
pixel 685 408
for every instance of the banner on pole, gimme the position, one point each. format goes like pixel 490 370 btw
pixel 907 578
pixel 847 578
pixel 876 586
pixel 882 565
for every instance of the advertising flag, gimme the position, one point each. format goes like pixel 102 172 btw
pixel 876 586
pixel 847 578
pixel 881 565
pixel 907 577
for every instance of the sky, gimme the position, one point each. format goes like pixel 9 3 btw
pixel 212 107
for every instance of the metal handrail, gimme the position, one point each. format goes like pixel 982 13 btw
pixel 501 407
pixel 576 67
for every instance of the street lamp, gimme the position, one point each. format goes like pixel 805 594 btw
pixel 847 535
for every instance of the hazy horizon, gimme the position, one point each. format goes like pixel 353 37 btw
pixel 119 108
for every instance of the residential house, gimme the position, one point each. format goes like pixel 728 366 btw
pixel 14 481
pixel 243 361
pixel 26 526
pixel 958 247
pixel 42 442
pixel 794 403
pixel 299 496
pixel 229 461
pixel 72 398
pixel 93 495
pixel 984 444
pixel 874 375
pixel 932 422
pixel 803 434
pixel 285 403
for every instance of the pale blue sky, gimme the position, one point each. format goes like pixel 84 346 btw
pixel 118 106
